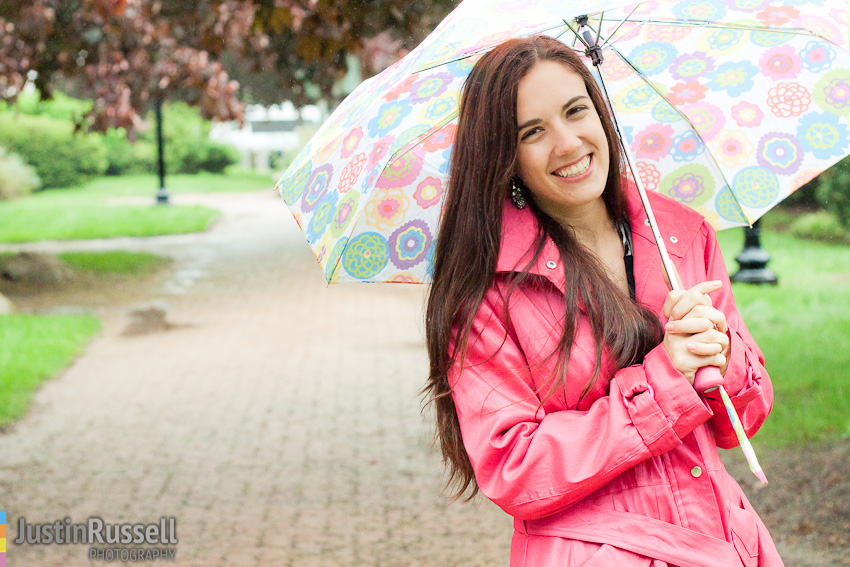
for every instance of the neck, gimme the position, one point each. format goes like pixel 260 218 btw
pixel 589 222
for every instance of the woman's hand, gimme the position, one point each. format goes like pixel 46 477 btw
pixel 695 334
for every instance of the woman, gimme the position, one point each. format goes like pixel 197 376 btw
pixel 558 392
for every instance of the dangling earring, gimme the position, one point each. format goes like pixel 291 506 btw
pixel 516 194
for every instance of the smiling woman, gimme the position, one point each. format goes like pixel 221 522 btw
pixel 558 392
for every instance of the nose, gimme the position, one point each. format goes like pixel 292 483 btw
pixel 567 141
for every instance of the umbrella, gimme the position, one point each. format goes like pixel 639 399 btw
pixel 727 106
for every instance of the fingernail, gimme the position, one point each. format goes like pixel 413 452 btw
pixel 692 346
pixel 669 327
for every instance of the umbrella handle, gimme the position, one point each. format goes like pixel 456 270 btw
pixel 707 378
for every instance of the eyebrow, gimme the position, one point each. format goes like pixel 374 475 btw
pixel 533 121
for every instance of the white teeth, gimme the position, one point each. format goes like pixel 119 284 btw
pixel 575 169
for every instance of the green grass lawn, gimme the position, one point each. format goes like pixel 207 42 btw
pixel 83 212
pixel 34 348
pixel 121 262
pixel 803 327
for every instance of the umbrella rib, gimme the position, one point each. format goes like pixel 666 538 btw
pixel 613 33
pixel 740 27
pixel 453 58
pixel 686 119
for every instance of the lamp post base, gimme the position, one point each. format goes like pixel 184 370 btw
pixel 753 259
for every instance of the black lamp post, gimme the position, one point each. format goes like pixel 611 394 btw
pixel 161 193
pixel 753 259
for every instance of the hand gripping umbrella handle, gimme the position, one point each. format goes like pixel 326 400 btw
pixel 707 378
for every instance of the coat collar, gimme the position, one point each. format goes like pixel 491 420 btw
pixel 678 224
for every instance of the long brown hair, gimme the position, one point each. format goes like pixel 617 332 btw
pixel 483 163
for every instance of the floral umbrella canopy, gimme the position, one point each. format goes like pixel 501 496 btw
pixel 728 106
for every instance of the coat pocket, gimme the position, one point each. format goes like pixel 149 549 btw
pixel 745 533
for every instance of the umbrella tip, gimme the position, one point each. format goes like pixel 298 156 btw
pixel 761 477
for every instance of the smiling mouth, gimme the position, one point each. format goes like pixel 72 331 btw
pixel 575 169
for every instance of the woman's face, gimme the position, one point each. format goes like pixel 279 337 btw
pixel 562 151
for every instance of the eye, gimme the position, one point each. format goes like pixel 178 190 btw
pixel 577 109
pixel 530 132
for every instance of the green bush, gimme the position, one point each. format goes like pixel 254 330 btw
pixel 60 157
pixel 833 191
pixel 188 148
pixel 822 225
pixel 125 157
pixel 16 177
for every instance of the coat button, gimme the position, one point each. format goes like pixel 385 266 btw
pixel 551 264
pixel 646 221
pixel 696 472
pixel 674 240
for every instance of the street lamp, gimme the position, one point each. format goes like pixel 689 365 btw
pixel 161 193
pixel 753 259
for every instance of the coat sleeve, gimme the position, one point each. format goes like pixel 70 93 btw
pixel 532 463
pixel 746 380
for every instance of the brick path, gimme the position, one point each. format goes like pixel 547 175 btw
pixel 281 425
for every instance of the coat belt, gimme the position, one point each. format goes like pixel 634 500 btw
pixel 639 534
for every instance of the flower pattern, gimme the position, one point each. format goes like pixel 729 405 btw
pixel 652 57
pixel 788 99
pixel 691 66
pixel 747 114
pixel 387 208
pixel 735 78
pixel 379 150
pixel 351 141
pixel 692 184
pixel 351 172
pixel 649 174
pixel 780 63
pixel 832 93
pixel 722 40
pixel 401 172
pixel 365 255
pixel 429 192
pixel 706 118
pixel 817 56
pixel 333 258
pixel 388 118
pixel 321 217
pixel 317 186
pixel 755 187
pixel 345 211
pixel 823 135
pixel 780 153
pixel 709 10
pixel 409 244
pixel 687 93
pixel 653 141
pixel 429 87
pixel 731 148
pixel 441 139
pixel 777 15
pixel 686 147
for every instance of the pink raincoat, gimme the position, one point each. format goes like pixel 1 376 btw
pixel 629 476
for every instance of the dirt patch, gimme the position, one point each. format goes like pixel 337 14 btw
pixel 80 291
pixel 806 506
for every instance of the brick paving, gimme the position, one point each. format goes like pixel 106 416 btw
pixel 279 422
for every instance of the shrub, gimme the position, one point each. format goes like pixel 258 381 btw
pixel 60 157
pixel 833 191
pixel 125 157
pixel 16 177
pixel 822 226
pixel 188 148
